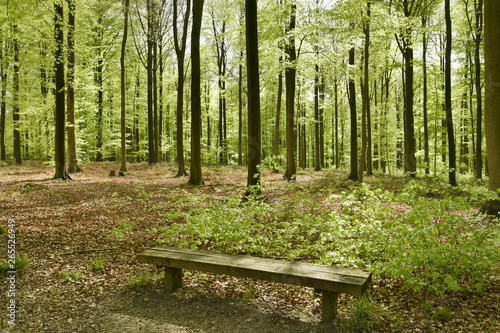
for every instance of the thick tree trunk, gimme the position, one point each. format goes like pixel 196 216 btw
pixel 123 95
pixel 60 119
pixel 254 126
pixel 196 177
pixel 492 98
pixel 70 98
pixel 452 158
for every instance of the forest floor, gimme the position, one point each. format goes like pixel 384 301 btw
pixel 82 237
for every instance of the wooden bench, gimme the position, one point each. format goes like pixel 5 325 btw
pixel 329 280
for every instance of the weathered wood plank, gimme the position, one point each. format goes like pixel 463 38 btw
pixel 173 279
pixel 328 305
pixel 339 280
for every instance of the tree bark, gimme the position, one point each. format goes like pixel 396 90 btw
pixel 3 94
pixel 290 75
pixel 254 126
pixel 15 97
pixel 354 121
pixel 70 98
pixel 492 99
pixel 123 102
pixel 180 50
pixel 196 177
pixel 452 158
pixel 317 150
pixel 60 158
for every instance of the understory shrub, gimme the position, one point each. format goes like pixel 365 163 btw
pixel 431 244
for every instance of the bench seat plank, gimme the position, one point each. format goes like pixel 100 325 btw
pixel 333 279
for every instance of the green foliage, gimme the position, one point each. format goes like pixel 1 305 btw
pixel 142 279
pixel 364 316
pixel 20 262
pixel 98 263
pixel 70 276
pixel 432 243
pixel 120 231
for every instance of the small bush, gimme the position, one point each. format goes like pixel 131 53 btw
pixel 20 262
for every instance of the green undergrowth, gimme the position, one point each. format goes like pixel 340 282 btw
pixel 428 235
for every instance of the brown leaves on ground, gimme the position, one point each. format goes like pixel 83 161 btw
pixel 82 236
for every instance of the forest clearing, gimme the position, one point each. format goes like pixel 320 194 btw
pixel 434 258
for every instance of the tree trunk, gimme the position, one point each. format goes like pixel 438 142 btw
pixel 478 83
pixel 254 126
pixel 276 144
pixel 354 121
pixel 123 102
pixel 290 74
pixel 70 98
pixel 492 99
pixel 60 158
pixel 100 108
pixel 15 97
pixel 150 70
pixel 452 159
pixel 196 177
pixel 317 151
pixel 3 94
pixel 409 129
pixel 180 50
pixel 240 111
pixel 424 96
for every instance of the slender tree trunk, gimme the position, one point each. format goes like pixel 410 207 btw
pixel 151 86
pixel 276 145
pixel 317 152
pixel 253 104
pixel 409 129
pixel 290 74
pixel 478 82
pixel 424 96
pixel 123 91
pixel 3 94
pixel 196 177
pixel 354 121
pixel 492 99
pixel 240 111
pixel 452 160
pixel 60 158
pixel 70 98
pixel 180 50
pixel 15 98
pixel 100 108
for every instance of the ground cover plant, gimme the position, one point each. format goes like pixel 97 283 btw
pixel 434 258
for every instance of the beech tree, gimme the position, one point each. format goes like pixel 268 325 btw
pixel 196 177
pixel 180 50
pixel 60 158
pixel 123 91
pixel 70 129
pixel 254 135
pixel 492 101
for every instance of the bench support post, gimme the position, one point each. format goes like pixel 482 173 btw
pixel 328 305
pixel 173 278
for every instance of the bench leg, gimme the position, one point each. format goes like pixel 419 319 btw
pixel 173 278
pixel 328 305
